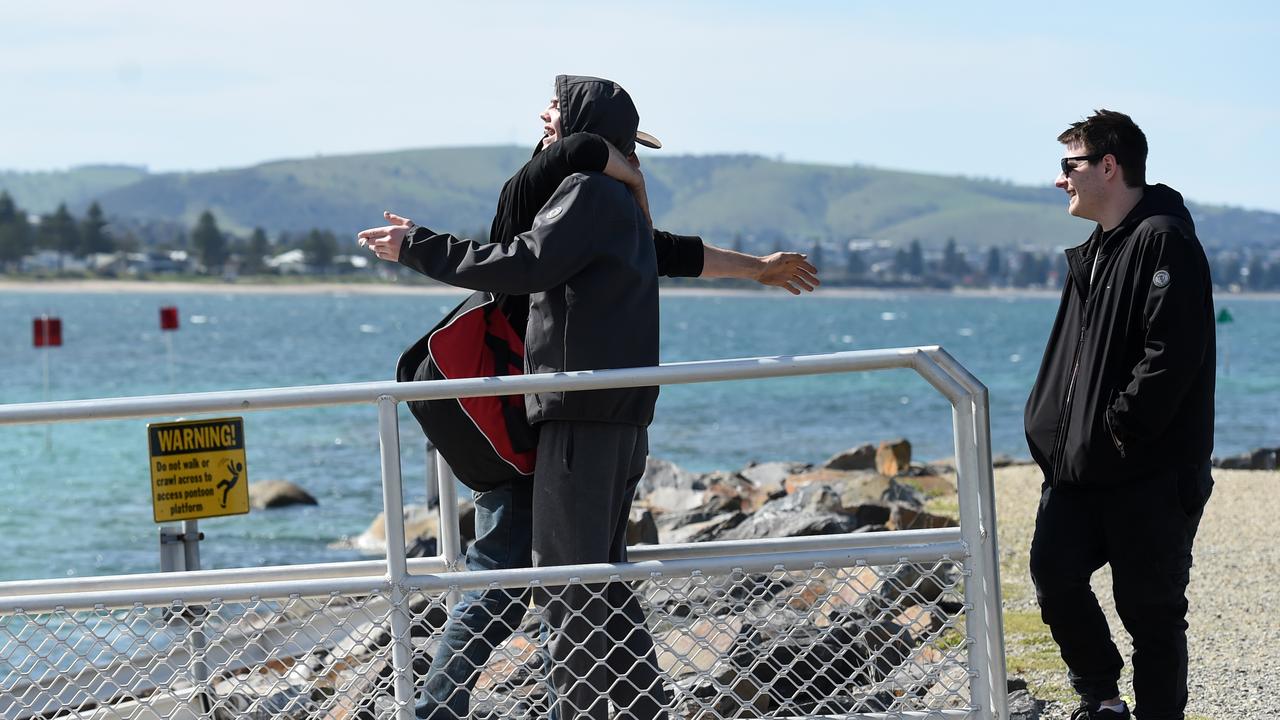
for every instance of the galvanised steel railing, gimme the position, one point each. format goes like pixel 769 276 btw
pixel 398 592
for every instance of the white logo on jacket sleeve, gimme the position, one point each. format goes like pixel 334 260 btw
pixel 1161 279
pixel 555 212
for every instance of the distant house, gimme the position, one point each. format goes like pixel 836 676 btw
pixel 347 264
pixel 290 262
pixel 110 264
pixel 158 261
pixel 51 261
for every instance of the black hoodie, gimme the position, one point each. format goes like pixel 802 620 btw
pixel 588 264
pixel 1127 381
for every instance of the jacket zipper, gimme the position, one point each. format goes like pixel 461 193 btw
pixel 1060 441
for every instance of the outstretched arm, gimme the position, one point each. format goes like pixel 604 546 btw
pixel 788 270
pixel 559 245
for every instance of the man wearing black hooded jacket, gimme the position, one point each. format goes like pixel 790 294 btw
pixel 588 264
pixel 1121 422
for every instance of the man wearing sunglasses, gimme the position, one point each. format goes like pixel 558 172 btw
pixel 1121 422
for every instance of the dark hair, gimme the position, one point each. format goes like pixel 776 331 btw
pixel 1112 133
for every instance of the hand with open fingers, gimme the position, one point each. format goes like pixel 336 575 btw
pixel 385 241
pixel 788 270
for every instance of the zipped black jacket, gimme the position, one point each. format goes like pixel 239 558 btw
pixel 588 264
pixel 1127 381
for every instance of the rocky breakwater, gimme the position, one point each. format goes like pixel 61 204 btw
pixel 800 641
pixel 791 642
pixel 864 489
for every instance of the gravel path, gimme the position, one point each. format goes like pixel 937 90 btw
pixel 1234 593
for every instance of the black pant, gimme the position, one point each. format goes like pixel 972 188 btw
pixel 600 646
pixel 1144 527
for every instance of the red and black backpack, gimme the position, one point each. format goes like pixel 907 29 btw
pixel 487 441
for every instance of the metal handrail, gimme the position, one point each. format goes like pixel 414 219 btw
pixel 976 537
pixel 368 392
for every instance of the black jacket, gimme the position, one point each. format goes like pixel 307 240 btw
pixel 525 192
pixel 589 266
pixel 1127 380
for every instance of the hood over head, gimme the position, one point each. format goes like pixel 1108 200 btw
pixel 595 105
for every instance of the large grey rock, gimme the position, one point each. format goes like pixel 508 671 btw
pixel 659 473
pixel 856 486
pixel 705 522
pixel 268 494
pixel 904 494
pixel 812 510
pixel 862 457
pixel 712 506
pixel 419 521
pixel 1259 459
pixel 811 498
pixel 671 499
pixel 710 529
pixel 747 493
pixel 1022 706
pixel 771 475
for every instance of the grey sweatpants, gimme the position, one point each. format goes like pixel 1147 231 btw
pixel 600 647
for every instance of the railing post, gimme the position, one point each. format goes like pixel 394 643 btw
pixel 450 532
pixel 971 531
pixel 985 481
pixel 978 528
pixel 393 512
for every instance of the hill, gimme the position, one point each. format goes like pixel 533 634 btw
pixel 717 196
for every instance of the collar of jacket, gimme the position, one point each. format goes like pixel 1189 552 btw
pixel 1156 199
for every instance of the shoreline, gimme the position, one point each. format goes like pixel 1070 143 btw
pixel 9 285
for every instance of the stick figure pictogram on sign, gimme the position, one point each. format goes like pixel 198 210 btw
pixel 226 484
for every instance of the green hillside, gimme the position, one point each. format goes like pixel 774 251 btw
pixel 41 192
pixel 717 196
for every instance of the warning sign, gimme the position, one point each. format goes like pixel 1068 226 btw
pixel 198 469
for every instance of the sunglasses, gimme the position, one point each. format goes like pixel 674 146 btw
pixel 1067 167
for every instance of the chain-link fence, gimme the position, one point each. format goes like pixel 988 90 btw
pixel 898 624
pixel 796 640
pixel 799 639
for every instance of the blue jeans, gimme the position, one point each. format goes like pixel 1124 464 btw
pixel 484 618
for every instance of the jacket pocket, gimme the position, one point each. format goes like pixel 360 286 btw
pixel 1107 423
pixel 1091 455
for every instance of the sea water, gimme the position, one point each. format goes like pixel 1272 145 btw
pixel 75 498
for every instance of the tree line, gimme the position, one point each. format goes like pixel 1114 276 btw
pixel 993 266
pixel 217 252
pixel 213 249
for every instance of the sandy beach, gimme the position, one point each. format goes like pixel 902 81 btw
pixel 1233 633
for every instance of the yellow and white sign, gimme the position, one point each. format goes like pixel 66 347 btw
pixel 198 469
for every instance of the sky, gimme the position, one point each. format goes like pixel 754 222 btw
pixel 979 89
